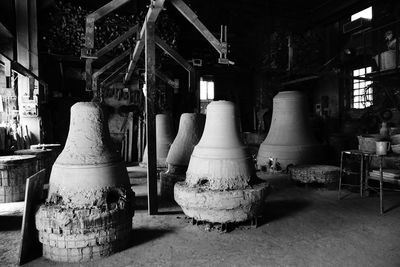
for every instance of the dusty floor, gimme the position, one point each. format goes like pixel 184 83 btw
pixel 302 227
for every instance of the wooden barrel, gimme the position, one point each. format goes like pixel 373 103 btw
pixel 14 170
pixel 44 159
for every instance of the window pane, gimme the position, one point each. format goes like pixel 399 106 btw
pixel 362 89
pixel 210 90
pixel 203 90
pixel 366 13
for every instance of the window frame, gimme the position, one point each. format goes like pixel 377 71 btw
pixel 359 87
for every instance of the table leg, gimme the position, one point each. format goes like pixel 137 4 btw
pixel 381 185
pixel 361 174
pixel 366 175
pixel 340 174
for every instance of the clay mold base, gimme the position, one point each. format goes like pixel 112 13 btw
pixel 78 235
pixel 229 206
pixel 168 181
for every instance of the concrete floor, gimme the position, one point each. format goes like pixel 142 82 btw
pixel 302 227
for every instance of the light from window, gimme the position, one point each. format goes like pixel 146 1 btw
pixel 362 89
pixel 206 90
pixel 210 90
pixel 366 13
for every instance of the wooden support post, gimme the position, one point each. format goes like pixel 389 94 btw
pixel 22 32
pixel 150 117
pixel 106 9
pixel 116 42
pixel 113 76
pixel 195 89
pixel 114 61
pixel 192 18
pixel 91 19
pixel 173 54
pixel 167 79
pixel 151 16
pixel 33 38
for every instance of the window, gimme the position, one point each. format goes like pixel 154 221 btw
pixel 362 89
pixel 206 93
pixel 366 13
pixel 206 90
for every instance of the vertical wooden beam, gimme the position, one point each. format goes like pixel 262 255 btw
pixel 150 117
pixel 194 89
pixel 151 16
pixel 33 38
pixel 22 32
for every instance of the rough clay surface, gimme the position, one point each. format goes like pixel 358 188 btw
pixel 290 139
pixel 220 174
pixel 88 168
pixel 221 206
pixel 191 126
pixel 77 235
pixel 220 160
pixel 88 141
pixel 289 155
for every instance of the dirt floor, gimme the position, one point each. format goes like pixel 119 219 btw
pixel 301 227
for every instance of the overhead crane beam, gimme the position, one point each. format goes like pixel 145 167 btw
pixel 110 64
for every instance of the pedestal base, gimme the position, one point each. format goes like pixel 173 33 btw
pixel 221 206
pixel 78 235
pixel 168 180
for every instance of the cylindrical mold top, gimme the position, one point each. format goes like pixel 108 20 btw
pixel 222 126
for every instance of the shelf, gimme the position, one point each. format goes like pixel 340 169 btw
pixel 391 74
pixel 385 179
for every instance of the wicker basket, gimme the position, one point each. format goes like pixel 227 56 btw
pixel 366 143
pixel 323 174
pixel 395 139
pixel 396 149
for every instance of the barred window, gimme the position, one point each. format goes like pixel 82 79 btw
pixel 362 89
